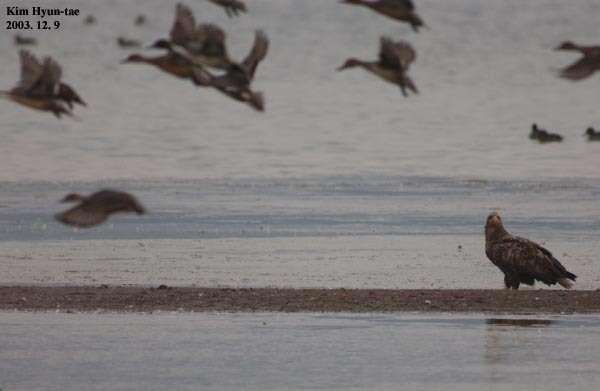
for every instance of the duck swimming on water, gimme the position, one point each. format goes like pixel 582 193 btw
pixel 402 10
pixel 592 134
pixel 394 60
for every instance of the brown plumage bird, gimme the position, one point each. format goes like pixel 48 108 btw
pixel 402 10
pixel 394 60
pixel 204 42
pixel 97 207
pixel 236 82
pixel 585 66
pixel 232 7
pixel 41 87
pixel 520 259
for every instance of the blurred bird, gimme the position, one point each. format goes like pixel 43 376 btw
pixel 128 43
pixel 140 20
pixel 235 83
pixel 97 207
pixel 592 134
pixel 205 43
pixel 41 88
pixel 21 40
pixel 232 7
pixel 90 19
pixel 394 60
pixel 585 66
pixel 544 136
pixel 402 10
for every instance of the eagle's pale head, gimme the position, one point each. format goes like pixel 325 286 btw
pixel 493 226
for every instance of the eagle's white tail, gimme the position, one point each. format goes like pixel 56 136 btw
pixel 565 282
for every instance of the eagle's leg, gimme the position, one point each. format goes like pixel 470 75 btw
pixel 511 282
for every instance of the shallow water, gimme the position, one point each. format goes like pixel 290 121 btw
pixel 57 351
pixel 342 182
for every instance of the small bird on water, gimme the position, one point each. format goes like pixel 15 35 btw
pixel 543 136
pixel 394 60
pixel 41 87
pixel 521 260
pixel 97 207
pixel 592 134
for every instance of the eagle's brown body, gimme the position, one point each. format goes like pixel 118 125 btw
pixel 520 259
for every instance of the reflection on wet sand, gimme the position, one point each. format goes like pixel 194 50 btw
pixel 518 322
pixel 507 340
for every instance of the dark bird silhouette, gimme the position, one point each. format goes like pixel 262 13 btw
pixel 535 131
pixel 41 87
pixel 402 10
pixel 592 134
pixel 97 207
pixel 543 136
pixel 89 20
pixel 583 68
pixel 21 40
pixel 232 7
pixel 140 20
pixel 520 259
pixel 394 60
pixel 128 43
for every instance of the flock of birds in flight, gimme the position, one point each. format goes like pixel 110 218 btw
pixel 193 50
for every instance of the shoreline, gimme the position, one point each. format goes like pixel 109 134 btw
pixel 191 299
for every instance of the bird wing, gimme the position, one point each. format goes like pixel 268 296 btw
pixel 582 68
pixel 184 25
pixel 209 40
pixel 257 54
pixel 522 256
pixel 31 70
pixel 232 7
pixel 396 54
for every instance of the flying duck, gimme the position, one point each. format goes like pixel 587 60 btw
pixel 40 86
pixel 204 42
pixel 585 66
pixel 232 7
pixel 402 10
pixel 236 82
pixel 394 60
pixel 97 207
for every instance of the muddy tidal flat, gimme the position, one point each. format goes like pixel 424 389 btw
pixel 164 298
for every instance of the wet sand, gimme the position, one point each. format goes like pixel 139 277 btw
pixel 163 298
